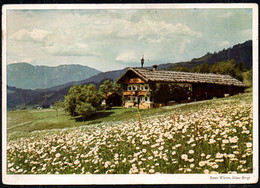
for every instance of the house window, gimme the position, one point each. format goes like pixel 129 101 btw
pixel 146 88
pixel 129 88
pixel 146 99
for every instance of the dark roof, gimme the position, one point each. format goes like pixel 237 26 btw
pixel 184 77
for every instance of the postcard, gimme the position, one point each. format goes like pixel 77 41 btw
pixel 130 94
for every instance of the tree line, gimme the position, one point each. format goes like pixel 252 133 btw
pixel 231 67
pixel 87 99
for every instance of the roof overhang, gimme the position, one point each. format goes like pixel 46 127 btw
pixel 134 71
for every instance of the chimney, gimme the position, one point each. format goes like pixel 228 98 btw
pixel 155 67
pixel 142 62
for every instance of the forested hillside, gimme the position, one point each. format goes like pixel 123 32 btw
pixel 240 53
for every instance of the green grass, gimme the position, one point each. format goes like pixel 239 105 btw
pixel 213 136
pixel 22 122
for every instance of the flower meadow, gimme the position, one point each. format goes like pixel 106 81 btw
pixel 216 138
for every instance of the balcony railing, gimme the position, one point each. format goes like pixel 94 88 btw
pixel 136 93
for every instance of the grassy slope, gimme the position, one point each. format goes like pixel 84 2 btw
pixel 22 122
pixel 212 136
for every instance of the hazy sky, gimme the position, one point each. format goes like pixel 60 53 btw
pixel 115 39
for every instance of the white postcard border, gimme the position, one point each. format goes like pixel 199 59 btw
pixel 131 178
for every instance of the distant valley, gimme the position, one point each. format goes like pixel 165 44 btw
pixel 45 97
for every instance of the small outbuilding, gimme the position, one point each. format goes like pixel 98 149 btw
pixel 114 99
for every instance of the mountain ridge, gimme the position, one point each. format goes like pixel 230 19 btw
pixel 27 76
pixel 241 52
pixel 111 75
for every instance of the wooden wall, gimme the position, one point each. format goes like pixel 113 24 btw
pixel 208 91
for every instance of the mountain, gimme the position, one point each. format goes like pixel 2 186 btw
pixel 240 53
pixel 60 91
pixel 27 76
pixel 97 79
pixel 45 97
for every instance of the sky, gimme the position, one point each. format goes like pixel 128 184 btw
pixel 114 39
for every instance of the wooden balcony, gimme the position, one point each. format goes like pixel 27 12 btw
pixel 134 81
pixel 135 93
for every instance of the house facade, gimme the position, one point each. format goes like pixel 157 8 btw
pixel 148 88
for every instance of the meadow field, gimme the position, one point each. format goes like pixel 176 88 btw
pixel 213 136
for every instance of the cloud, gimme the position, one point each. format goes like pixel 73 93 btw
pixel 94 34
pixel 127 57
pixel 146 28
pixel 36 35
pixel 184 30
pixel 68 49
pixel 16 59
pixel 225 14
pixel 183 45
pixel 124 27
pixel 224 43
pixel 154 40
pixel 247 33
pixel 120 37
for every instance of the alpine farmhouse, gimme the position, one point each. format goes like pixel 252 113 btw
pixel 148 88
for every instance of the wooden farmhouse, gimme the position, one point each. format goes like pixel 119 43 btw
pixel 148 88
